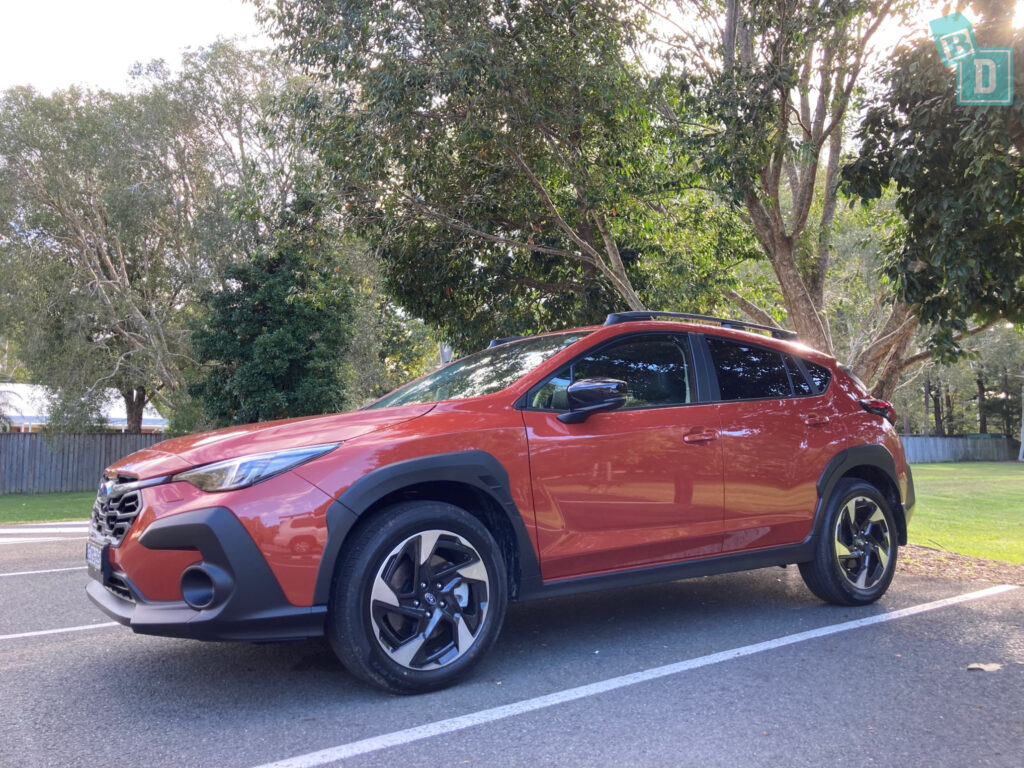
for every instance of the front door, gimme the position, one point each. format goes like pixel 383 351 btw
pixel 632 487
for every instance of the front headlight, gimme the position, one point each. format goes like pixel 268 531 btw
pixel 246 470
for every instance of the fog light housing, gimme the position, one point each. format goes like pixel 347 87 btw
pixel 204 586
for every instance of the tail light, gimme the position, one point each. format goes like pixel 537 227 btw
pixel 881 408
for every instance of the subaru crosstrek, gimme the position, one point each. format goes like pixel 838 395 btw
pixel 655 447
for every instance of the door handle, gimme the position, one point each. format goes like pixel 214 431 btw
pixel 700 435
pixel 816 420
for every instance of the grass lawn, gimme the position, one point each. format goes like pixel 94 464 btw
pixel 974 508
pixel 45 507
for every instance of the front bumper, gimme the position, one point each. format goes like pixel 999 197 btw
pixel 247 602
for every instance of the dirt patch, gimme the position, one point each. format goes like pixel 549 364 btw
pixel 923 561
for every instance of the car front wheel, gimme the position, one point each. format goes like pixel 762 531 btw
pixel 855 555
pixel 419 596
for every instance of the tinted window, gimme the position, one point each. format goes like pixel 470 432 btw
pixel 800 385
pixel 820 375
pixel 482 373
pixel 655 370
pixel 746 372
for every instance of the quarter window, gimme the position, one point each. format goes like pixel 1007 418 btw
pixel 819 374
pixel 800 385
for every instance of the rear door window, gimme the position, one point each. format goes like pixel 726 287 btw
pixel 747 371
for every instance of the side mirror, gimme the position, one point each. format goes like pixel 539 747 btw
pixel 588 396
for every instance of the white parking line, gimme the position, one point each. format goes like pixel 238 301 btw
pixel 60 631
pixel 48 523
pixel 442 727
pixel 48 530
pixel 32 539
pixel 48 570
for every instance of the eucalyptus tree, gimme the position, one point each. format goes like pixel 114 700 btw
pixel 776 82
pixel 102 193
pixel 117 211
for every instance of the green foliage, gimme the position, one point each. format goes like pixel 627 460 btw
pixel 388 347
pixel 97 241
pixel 119 210
pixel 510 168
pixel 984 382
pixel 276 335
pixel 957 173
pixel 5 405
pixel 759 92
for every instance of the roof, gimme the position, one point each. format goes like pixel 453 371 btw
pixel 25 404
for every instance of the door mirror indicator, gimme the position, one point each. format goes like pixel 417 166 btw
pixel 589 396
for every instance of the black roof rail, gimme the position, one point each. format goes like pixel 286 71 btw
pixel 626 317
pixel 506 340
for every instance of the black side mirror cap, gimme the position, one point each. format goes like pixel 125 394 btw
pixel 589 396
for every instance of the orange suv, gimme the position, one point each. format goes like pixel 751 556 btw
pixel 655 447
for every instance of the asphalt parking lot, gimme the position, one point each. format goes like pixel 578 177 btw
pixel 746 669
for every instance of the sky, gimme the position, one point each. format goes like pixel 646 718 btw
pixel 54 43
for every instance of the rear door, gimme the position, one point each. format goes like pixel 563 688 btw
pixel 631 487
pixel 778 431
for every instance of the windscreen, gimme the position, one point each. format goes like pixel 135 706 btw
pixel 482 373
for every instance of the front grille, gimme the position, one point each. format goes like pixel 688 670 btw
pixel 113 515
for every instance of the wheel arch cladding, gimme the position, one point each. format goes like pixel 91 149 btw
pixel 472 480
pixel 874 465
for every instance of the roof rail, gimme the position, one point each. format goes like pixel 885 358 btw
pixel 506 340
pixel 626 317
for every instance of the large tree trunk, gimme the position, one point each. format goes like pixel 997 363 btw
pixel 135 401
pixel 940 427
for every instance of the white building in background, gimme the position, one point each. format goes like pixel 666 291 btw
pixel 26 407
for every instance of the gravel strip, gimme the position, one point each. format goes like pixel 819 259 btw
pixel 924 561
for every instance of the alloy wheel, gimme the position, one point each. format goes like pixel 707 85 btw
pixel 429 600
pixel 862 542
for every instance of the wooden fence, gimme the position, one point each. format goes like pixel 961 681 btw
pixel 929 450
pixel 32 463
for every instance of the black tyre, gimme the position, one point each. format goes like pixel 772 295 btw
pixel 419 597
pixel 855 556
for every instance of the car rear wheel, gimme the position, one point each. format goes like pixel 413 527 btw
pixel 419 597
pixel 855 556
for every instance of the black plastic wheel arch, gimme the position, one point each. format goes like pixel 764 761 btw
pixel 878 458
pixel 478 469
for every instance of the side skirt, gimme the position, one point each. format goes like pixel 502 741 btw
pixel 707 566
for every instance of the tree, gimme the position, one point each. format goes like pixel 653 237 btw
pixel 99 211
pixel 6 405
pixel 957 172
pixel 389 347
pixel 130 205
pixel 978 393
pixel 775 80
pixel 274 343
pixel 510 168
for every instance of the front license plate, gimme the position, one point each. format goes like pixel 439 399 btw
pixel 94 558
